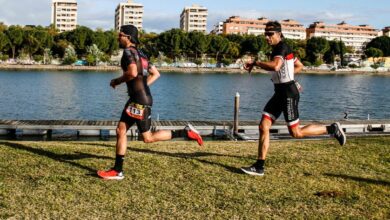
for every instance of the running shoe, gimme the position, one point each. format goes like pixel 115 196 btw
pixel 110 174
pixel 193 134
pixel 339 133
pixel 252 170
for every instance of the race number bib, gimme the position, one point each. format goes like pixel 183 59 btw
pixel 136 111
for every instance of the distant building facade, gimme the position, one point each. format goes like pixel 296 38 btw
pixel 353 36
pixel 218 28
pixel 194 18
pixel 129 13
pixel 386 31
pixel 235 25
pixel 64 14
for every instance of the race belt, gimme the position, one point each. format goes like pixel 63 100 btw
pixel 136 110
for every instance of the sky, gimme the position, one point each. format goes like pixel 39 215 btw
pixel 162 15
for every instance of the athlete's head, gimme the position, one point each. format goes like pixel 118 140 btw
pixel 273 32
pixel 128 34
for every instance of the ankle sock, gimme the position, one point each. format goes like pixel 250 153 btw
pixel 119 162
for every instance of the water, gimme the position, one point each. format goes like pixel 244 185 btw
pixel 182 96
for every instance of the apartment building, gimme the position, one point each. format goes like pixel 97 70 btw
pixel 64 14
pixel 236 25
pixel 353 36
pixel 218 28
pixel 129 13
pixel 194 18
pixel 386 31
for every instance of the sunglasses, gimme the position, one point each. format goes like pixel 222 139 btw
pixel 269 34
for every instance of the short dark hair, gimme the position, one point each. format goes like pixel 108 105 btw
pixel 273 26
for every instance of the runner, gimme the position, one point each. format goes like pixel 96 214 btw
pixel 283 66
pixel 138 74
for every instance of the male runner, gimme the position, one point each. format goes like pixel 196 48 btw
pixel 283 66
pixel 138 74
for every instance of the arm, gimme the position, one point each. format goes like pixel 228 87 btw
pixel 128 75
pixel 298 66
pixel 273 65
pixel 154 74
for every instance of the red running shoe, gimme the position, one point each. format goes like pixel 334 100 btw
pixel 193 134
pixel 110 174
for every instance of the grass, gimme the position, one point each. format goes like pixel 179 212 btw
pixel 177 180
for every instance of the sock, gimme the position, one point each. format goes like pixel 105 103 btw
pixel 177 133
pixel 259 164
pixel 330 129
pixel 119 162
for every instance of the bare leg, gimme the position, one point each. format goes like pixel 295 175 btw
pixel 308 130
pixel 121 138
pixel 162 135
pixel 264 128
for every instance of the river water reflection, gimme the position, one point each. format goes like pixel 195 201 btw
pixel 183 96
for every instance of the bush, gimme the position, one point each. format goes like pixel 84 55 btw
pixel 306 63
pixel 4 57
pixel 318 63
pixel 226 61
pixel 38 58
pixel 375 66
pixel 352 66
pixel 198 62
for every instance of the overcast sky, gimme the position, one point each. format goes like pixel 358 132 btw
pixel 161 15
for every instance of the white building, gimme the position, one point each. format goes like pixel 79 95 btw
pixel 129 13
pixel 354 36
pixel 194 18
pixel 218 28
pixel 64 14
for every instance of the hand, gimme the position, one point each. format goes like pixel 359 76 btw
pixel 113 83
pixel 248 66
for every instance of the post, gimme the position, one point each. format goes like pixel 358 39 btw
pixel 236 111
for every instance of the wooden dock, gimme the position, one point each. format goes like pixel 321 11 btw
pixel 247 130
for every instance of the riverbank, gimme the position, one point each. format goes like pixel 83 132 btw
pixel 179 69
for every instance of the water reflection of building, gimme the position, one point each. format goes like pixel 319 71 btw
pixel 353 36
pixel 129 13
pixel 64 14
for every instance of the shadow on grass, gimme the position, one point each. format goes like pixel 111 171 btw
pixel 359 179
pixel 191 156
pixel 64 158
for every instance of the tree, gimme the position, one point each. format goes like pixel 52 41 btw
pixel 80 38
pixel 101 40
pixel 70 55
pixel 94 55
pixel 15 36
pixel 171 42
pixel 381 43
pixel 4 41
pixel 200 42
pixel 336 48
pixel 218 45
pixel 374 53
pixel 316 48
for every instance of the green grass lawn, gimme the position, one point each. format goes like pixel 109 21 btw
pixel 178 180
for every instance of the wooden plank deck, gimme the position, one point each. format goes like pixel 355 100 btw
pixel 206 127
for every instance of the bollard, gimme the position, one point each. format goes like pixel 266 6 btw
pixel 236 111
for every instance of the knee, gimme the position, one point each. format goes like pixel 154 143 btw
pixel 264 128
pixel 120 131
pixel 147 140
pixel 296 134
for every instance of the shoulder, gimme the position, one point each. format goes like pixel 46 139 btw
pixel 281 49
